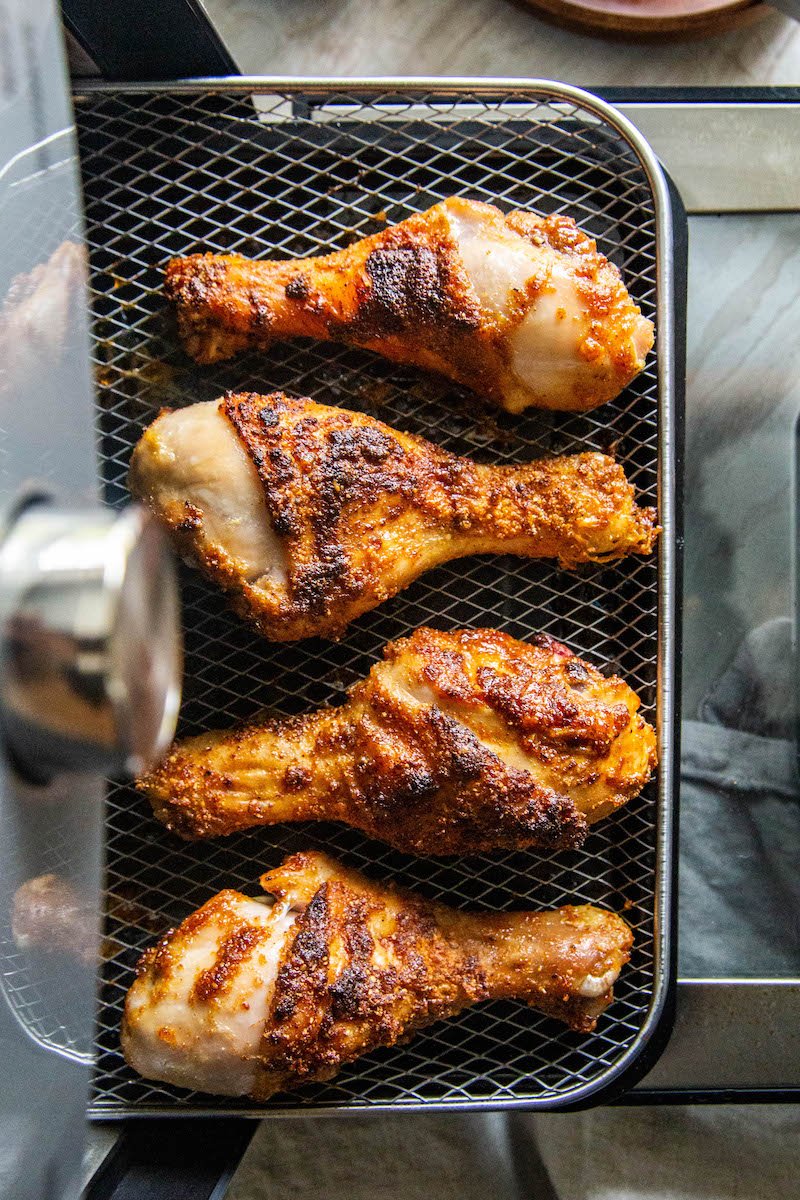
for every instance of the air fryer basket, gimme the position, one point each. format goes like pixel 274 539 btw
pixel 279 169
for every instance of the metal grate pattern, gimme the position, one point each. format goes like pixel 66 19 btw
pixel 49 995
pixel 285 174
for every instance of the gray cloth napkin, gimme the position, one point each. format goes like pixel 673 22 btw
pixel 739 878
pixel 727 1152
pixel 405 1157
pixel 739 889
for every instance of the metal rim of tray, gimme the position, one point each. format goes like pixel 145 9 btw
pixel 553 93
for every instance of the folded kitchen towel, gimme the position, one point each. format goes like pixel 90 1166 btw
pixel 405 1157
pixel 726 1152
pixel 700 1152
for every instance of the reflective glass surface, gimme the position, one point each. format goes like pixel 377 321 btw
pixel 740 816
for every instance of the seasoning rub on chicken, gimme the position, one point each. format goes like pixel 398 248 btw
pixel 309 516
pixel 456 743
pixel 521 308
pixel 252 997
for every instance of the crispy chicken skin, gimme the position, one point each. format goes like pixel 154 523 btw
pixel 456 743
pixel 251 998
pixel 309 516
pixel 521 308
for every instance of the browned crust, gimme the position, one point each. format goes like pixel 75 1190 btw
pixel 369 965
pixel 404 293
pixel 404 280
pixel 426 785
pixel 322 1017
pixel 235 950
pixel 163 960
pixel 413 284
pixel 363 509
pixel 422 783
pixel 363 965
pixel 429 778
pixel 540 689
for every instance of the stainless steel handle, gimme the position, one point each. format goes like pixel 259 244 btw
pixel 90 644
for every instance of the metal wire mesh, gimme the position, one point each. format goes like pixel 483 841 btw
pixel 284 175
pixel 49 995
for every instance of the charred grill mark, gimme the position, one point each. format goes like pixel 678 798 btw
pixel 354 989
pixel 320 1022
pixel 304 969
pixel 464 756
pixel 312 472
pixel 234 950
pixel 311 943
pixel 349 993
pixel 298 287
pixel 442 785
pixel 411 283
pixel 408 284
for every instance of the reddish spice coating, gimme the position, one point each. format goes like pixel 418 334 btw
pixel 458 742
pixel 407 294
pixel 234 950
pixel 371 963
pixel 356 965
pixel 360 510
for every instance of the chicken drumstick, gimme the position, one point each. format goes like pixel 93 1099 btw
pixel 521 308
pixel 251 998
pixel 309 516
pixel 456 743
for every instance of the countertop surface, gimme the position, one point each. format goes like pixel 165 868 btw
pixel 488 37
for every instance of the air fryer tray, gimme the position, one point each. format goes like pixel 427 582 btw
pixel 279 169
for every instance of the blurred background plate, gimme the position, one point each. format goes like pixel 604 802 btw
pixel 653 18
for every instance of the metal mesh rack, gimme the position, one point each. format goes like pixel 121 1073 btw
pixel 298 172
pixel 47 994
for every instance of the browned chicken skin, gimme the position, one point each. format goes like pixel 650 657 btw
pixel 521 308
pixel 456 743
pixel 246 998
pixel 309 516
